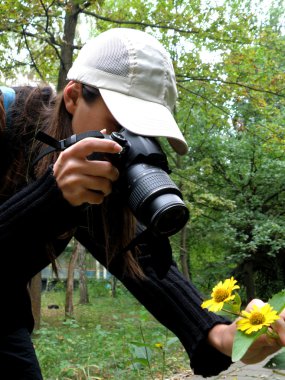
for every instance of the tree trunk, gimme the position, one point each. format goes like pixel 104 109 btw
pixel 66 54
pixel 70 282
pixel 35 289
pixel 83 289
pixel 114 281
pixel 184 256
pixel 249 281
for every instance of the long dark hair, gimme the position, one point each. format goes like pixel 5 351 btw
pixel 40 109
pixel 16 140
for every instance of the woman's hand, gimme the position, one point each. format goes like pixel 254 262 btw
pixel 264 345
pixel 82 180
pixel 222 337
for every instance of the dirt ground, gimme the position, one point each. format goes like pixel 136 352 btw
pixel 238 371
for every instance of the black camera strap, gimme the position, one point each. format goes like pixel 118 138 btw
pixel 139 239
pixel 156 248
pixel 60 145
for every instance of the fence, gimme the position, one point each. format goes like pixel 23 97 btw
pixel 49 277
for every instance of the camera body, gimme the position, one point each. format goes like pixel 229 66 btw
pixel 151 195
pixel 144 184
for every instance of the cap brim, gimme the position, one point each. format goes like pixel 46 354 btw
pixel 145 118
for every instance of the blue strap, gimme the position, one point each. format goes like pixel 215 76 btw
pixel 8 96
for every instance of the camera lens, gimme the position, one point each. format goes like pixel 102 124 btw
pixel 169 214
pixel 155 199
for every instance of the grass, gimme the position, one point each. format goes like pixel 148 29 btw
pixel 110 338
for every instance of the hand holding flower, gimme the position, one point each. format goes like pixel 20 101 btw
pixel 258 331
pixel 268 343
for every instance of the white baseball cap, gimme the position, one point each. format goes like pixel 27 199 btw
pixel 136 79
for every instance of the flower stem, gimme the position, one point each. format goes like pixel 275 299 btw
pixel 272 334
pixel 232 312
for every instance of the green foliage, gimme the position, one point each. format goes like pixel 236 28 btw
pixel 101 288
pixel 242 342
pixel 110 338
pixel 207 256
pixel 278 361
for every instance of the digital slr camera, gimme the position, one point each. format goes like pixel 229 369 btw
pixel 151 195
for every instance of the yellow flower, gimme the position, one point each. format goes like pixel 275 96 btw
pixel 221 293
pixel 257 318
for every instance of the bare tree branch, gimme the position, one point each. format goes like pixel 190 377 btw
pixel 205 98
pixel 187 78
pixel 139 23
pixel 32 57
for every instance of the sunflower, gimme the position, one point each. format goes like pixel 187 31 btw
pixel 257 318
pixel 221 294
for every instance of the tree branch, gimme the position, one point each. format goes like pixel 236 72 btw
pixel 204 79
pixel 205 98
pixel 31 56
pixel 144 24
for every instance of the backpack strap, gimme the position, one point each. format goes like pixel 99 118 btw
pixel 9 96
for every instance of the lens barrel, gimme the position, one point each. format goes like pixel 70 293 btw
pixel 155 199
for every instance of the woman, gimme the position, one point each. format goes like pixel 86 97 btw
pixel 123 77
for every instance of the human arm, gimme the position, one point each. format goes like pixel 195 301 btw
pixel 30 219
pixel 38 210
pixel 173 301
pixel 42 210
pixel 176 303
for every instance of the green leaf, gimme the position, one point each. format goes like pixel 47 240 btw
pixel 243 341
pixel 233 306
pixel 141 352
pixel 171 341
pixel 278 361
pixel 278 301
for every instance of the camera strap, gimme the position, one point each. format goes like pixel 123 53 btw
pixel 157 249
pixel 139 239
pixel 60 145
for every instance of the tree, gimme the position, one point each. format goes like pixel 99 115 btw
pixel 35 288
pixel 241 169
pixel 70 281
pixel 83 289
pixel 43 34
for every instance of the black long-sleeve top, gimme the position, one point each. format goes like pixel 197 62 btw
pixel 39 214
